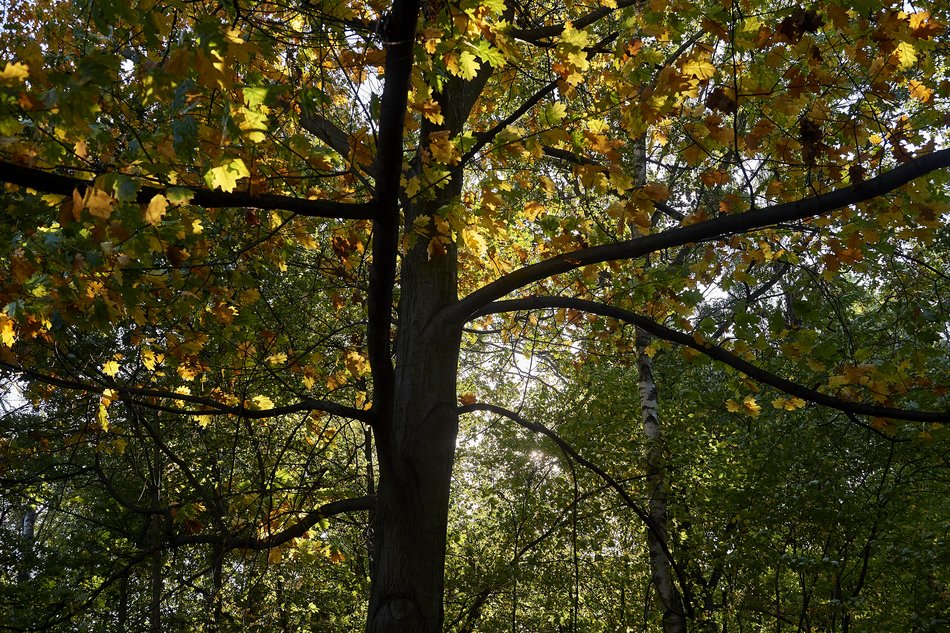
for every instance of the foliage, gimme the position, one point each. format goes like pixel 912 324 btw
pixel 271 270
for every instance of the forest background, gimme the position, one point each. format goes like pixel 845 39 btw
pixel 494 315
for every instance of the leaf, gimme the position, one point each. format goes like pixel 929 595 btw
pixel 751 406
pixel 468 66
pixel 98 203
pixel 789 404
pixel 262 402
pixel 7 332
pixel 226 174
pixel 179 195
pixel 905 54
pixel 920 91
pixel 467 398
pixel 555 113
pixel 156 209
pixel 110 368
pixel 14 73
pixel 702 69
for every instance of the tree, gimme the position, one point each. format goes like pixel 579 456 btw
pixel 249 216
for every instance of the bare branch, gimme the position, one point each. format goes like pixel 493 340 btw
pixel 536 427
pixel 48 182
pixel 700 232
pixel 716 353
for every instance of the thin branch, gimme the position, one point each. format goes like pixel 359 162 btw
pixel 297 530
pixel 48 182
pixel 536 427
pixel 716 228
pixel 553 30
pixel 716 353
pixel 212 407
pixel 483 138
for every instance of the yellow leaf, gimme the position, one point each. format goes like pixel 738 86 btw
pixel 7 334
pixel 150 359
pixel 443 150
pixel 356 364
pixel 467 398
pixel 837 380
pixel 103 417
pixel 532 210
pixel 110 368
pixel 700 68
pixel 468 66
pixel 789 404
pixel 751 406
pixel 156 209
pixel 203 420
pixel 474 239
pixel 225 175
pixel 277 359
pixel 14 73
pixel 920 92
pixel 905 54
pixel 98 202
pixel 262 402
pixel 732 406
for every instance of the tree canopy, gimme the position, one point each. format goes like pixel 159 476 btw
pixel 474 315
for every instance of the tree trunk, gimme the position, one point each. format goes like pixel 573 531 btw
pixel 416 447
pixel 27 545
pixel 669 599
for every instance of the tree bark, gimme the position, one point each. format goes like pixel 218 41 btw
pixel 416 445
pixel 415 461
pixel 668 597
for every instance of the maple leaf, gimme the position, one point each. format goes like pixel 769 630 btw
pixel 789 404
pixel 751 406
pixel 226 174
pixel 14 73
pixel 702 69
pixel 156 209
pixel 356 364
pixel 467 398
pixel 110 368
pixel 442 148
pixel 7 332
pixel 262 402
pixel 98 202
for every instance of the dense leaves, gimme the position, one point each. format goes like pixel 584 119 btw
pixel 682 267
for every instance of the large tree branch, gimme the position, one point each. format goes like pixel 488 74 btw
pixel 700 232
pixel 399 37
pixel 716 353
pixel 296 530
pixel 209 406
pixel 48 182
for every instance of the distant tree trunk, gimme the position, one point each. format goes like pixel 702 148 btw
pixel 156 539
pixel 27 544
pixel 668 597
